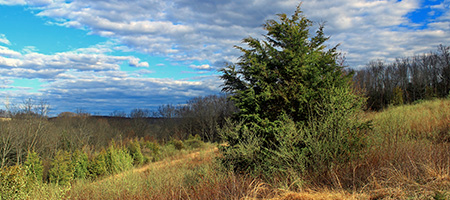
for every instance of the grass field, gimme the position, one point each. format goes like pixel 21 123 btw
pixel 407 157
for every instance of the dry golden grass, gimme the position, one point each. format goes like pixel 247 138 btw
pixel 407 157
pixel 191 176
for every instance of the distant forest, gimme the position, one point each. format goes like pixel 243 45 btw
pixel 406 80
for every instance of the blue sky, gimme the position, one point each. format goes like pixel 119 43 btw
pixel 107 55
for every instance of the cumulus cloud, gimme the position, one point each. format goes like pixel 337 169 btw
pixel 198 30
pixel 369 30
pixel 91 79
pixel 37 65
pixel 103 94
pixel 201 67
pixel 135 62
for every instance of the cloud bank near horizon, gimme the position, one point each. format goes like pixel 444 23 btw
pixel 197 35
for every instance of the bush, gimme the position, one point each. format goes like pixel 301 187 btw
pixel 398 96
pixel 245 155
pixel 168 150
pixel 13 183
pixel 311 148
pixel 33 167
pixel 194 142
pixel 97 166
pixel 117 159
pixel 62 171
pixel 80 163
pixel 154 149
pixel 134 148
pixel 178 144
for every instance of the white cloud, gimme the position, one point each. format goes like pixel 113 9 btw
pixel 135 62
pixel 201 67
pixel 89 78
pixel 85 59
pixel 125 92
pixel 6 52
pixel 4 40
pixel 12 2
pixel 198 30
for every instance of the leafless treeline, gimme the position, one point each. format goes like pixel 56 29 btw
pixel 199 116
pixel 414 78
pixel 29 129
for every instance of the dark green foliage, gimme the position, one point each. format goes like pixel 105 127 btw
pixel 61 171
pixel 245 153
pixel 80 163
pixel 134 148
pixel 334 136
pixel 13 183
pixel 97 166
pixel 296 105
pixel 430 93
pixel 33 167
pixel 398 96
pixel 287 73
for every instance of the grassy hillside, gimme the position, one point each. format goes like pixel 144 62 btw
pixel 407 157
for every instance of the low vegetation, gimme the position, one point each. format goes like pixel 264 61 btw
pixel 406 157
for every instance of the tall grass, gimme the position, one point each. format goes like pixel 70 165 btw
pixel 407 157
pixel 408 154
pixel 426 120
pixel 198 177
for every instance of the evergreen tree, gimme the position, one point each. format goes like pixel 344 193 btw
pixel 284 73
pixel 33 167
pixel 61 171
pixel 289 85
pixel 398 96
pixel 80 163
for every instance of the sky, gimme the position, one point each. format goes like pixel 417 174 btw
pixel 114 55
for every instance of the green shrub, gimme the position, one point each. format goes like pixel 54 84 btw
pixel 61 171
pixel 13 183
pixel 168 150
pixel 246 154
pixel 33 167
pixel 297 148
pixel 117 160
pixel 155 150
pixel 97 166
pixel 178 144
pixel 134 148
pixel 194 142
pixel 80 163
